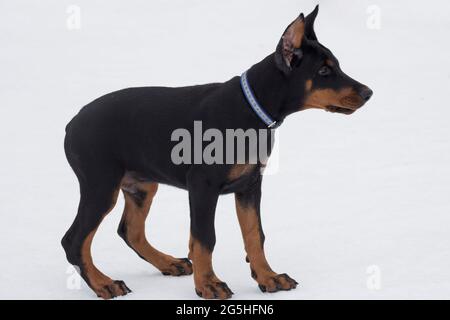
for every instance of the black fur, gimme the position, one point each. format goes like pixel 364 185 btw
pixel 130 131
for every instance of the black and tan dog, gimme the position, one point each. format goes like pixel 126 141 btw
pixel 122 141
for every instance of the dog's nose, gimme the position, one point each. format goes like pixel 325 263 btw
pixel 366 93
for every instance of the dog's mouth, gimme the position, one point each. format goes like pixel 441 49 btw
pixel 347 105
pixel 343 110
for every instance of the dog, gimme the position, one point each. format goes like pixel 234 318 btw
pixel 122 141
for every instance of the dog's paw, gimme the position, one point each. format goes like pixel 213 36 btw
pixel 178 267
pixel 114 289
pixel 214 290
pixel 277 282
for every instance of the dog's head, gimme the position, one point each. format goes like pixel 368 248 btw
pixel 313 72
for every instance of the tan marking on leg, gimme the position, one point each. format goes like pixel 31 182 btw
pixel 260 268
pixel 102 285
pixel 191 248
pixel 207 285
pixel 251 233
pixel 96 278
pixel 134 217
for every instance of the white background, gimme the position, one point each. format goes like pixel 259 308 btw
pixel 351 191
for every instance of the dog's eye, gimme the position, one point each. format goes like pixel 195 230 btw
pixel 324 71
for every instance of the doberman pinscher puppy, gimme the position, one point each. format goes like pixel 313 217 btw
pixel 123 141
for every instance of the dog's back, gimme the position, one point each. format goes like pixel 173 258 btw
pixel 122 124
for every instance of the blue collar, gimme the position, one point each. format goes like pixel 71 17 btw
pixel 260 112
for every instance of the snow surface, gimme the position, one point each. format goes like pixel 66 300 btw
pixel 371 189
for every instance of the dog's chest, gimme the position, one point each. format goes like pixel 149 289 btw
pixel 241 176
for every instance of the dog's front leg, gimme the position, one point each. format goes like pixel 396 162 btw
pixel 248 211
pixel 202 200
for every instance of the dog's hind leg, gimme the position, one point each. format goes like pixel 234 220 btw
pixel 138 199
pixel 99 189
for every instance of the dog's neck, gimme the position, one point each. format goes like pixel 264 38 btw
pixel 270 87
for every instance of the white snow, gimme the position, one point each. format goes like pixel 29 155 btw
pixel 371 189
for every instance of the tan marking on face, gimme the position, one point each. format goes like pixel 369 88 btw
pixel 322 98
pixel 239 170
pixel 308 85
pixel 329 63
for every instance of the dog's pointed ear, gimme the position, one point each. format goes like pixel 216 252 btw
pixel 309 24
pixel 289 45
